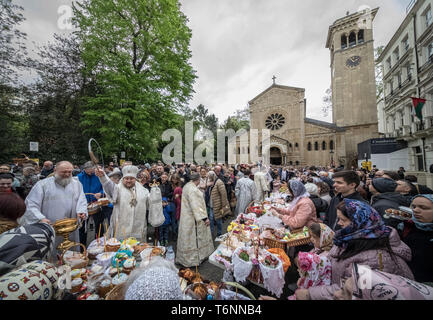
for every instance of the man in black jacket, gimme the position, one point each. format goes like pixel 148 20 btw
pixel 345 184
pixel 385 197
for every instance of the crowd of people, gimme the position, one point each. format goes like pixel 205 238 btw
pixel 344 209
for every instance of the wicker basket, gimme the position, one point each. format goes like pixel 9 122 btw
pixel 84 254
pixel 300 242
pixel 277 244
pixel 117 293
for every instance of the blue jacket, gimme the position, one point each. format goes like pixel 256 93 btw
pixel 91 184
pixel 168 210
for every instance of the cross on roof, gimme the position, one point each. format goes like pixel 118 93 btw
pixel 273 78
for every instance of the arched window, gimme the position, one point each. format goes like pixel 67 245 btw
pixel 316 146
pixel 297 163
pixel 309 146
pixel 291 163
pixel 361 36
pixel 324 145
pixel 296 146
pixel 290 147
pixel 352 39
pixel 343 41
pixel 331 145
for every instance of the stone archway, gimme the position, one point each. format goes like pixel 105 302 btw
pixel 276 156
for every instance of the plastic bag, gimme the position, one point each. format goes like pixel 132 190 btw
pixel 156 214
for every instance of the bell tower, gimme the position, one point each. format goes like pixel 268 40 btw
pixel 353 82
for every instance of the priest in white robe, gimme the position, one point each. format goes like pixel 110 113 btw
pixel 262 185
pixel 130 202
pixel 56 198
pixel 194 242
pixel 245 192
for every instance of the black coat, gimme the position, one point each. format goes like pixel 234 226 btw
pixel 390 200
pixel 166 191
pixel 421 244
pixel 331 214
pixel 320 204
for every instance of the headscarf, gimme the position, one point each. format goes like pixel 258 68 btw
pixel 314 270
pixel 156 281
pixel 299 192
pixel 366 223
pixel 326 237
pixel 421 225
pixel 377 285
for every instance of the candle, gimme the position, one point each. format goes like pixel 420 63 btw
pixel 99 235
pixel 118 269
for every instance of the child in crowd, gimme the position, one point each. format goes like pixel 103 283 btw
pixel 322 237
pixel 164 228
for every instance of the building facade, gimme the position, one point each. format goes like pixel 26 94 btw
pixel 407 63
pixel 298 140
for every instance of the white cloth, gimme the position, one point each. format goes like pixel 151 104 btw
pixel 273 279
pixel 129 219
pixel 241 268
pixel 262 185
pixel 49 200
pixel 245 193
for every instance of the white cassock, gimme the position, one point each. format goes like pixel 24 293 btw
pixel 245 192
pixel 49 200
pixel 262 185
pixel 129 209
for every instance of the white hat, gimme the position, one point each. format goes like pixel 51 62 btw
pixel 312 189
pixel 130 171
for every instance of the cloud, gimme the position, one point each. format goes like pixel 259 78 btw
pixel 238 46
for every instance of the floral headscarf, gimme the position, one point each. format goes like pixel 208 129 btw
pixel 299 192
pixel 314 270
pixel 326 237
pixel 366 223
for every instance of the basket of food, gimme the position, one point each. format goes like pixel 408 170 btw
pixel 93 208
pixel 299 237
pixel 274 238
pixel 117 293
pixel 75 260
pixel 400 214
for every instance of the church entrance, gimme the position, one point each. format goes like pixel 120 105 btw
pixel 276 157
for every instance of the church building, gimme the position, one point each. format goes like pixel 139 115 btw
pixel 299 141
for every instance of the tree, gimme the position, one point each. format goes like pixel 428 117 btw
pixel 379 72
pixel 327 102
pixel 12 57
pixel 137 53
pixel 55 111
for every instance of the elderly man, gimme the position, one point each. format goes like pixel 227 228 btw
pixel 55 198
pixel 194 242
pixel 93 190
pixel 262 185
pixel 130 202
pixel 47 169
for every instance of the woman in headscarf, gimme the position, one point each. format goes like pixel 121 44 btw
pixel 367 284
pixel 322 237
pixel 418 235
pixel 301 211
pixel 363 239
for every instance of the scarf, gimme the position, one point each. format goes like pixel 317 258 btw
pixel 326 237
pixel 6 225
pixel 299 192
pixel 366 223
pixel 314 271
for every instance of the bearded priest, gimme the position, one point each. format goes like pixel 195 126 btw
pixel 55 198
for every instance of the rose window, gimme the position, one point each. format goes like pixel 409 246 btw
pixel 275 121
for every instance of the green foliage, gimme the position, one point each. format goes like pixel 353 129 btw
pixel 137 54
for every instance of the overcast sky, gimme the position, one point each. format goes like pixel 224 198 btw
pixel 239 45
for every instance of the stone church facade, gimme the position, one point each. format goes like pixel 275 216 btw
pixel 299 141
